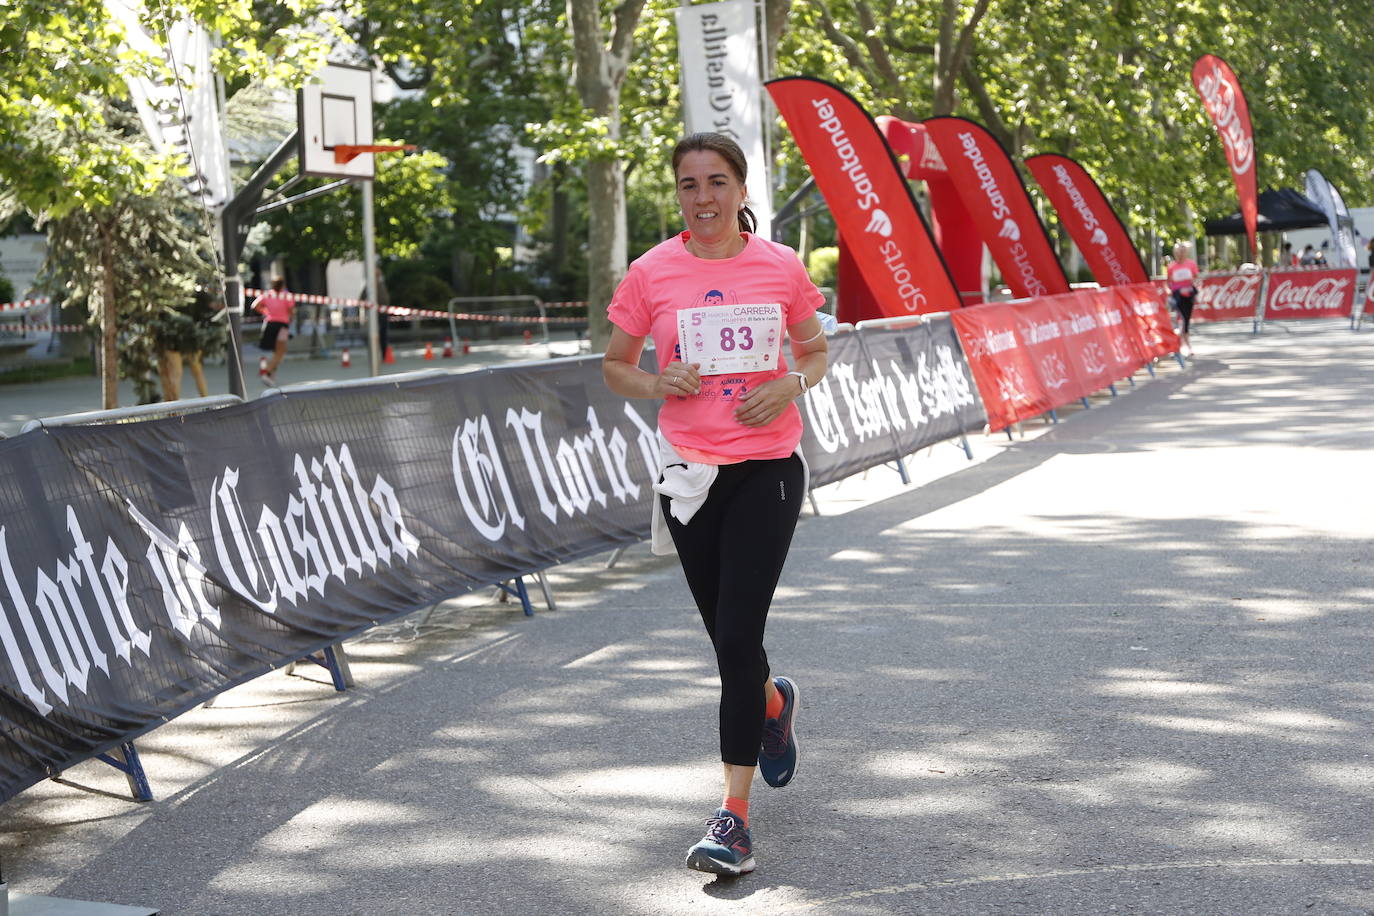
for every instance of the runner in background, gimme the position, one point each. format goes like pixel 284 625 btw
pixel 731 476
pixel 1181 273
pixel 276 305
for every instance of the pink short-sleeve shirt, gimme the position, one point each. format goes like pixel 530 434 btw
pixel 667 278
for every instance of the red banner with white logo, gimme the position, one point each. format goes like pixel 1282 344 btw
pixel 868 197
pixel 1221 95
pixel 1089 219
pixel 1310 294
pixel 1029 357
pixel 1223 297
pixel 1003 367
pixel 1148 304
pixel 992 191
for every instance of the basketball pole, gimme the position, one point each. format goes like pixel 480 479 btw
pixel 374 356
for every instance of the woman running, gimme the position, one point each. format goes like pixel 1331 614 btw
pixel 717 299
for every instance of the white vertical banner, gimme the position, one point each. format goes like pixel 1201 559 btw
pixel 718 47
pixel 1324 194
pixel 181 111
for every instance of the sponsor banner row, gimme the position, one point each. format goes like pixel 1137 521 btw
pixel 145 567
pixel 1032 356
pixel 1284 294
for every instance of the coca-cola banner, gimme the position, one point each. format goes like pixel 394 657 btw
pixel 868 197
pixel 1224 297
pixel 1217 85
pixel 992 191
pixel 1310 294
pixel 1090 220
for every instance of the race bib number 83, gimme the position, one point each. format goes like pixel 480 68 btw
pixel 731 338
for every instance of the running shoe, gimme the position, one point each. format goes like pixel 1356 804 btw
pixel 727 848
pixel 778 756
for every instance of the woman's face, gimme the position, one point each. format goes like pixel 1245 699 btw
pixel 709 194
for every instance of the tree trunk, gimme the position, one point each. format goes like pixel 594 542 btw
pixel 558 224
pixel 109 325
pixel 608 245
pixel 599 75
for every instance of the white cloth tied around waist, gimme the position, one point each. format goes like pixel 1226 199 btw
pixel 686 484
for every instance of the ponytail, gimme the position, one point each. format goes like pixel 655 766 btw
pixel 747 221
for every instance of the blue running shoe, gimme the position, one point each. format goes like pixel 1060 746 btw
pixel 727 848
pixel 778 756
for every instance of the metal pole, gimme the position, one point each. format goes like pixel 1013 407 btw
pixel 374 356
pixel 233 300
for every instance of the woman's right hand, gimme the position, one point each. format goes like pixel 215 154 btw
pixel 677 378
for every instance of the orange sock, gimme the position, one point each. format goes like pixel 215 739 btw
pixel 737 806
pixel 773 708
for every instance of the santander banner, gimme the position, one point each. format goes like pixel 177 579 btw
pixel 1217 85
pixel 1310 294
pixel 1090 220
pixel 994 195
pixel 1155 328
pixel 1227 296
pixel 869 198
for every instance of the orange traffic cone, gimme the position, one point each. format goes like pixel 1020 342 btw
pixel 529 338
pixel 262 366
pixel 389 358
pixel 344 360
pixel 429 350
pixel 448 348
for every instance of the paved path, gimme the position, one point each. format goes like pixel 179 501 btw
pixel 1123 665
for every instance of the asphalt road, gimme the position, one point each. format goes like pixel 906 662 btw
pixel 1122 664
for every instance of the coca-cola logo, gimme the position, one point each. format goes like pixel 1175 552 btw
pixel 1325 294
pixel 1222 98
pixel 1237 293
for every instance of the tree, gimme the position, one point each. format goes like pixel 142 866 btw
pixel 599 75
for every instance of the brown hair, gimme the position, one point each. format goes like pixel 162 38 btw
pixel 278 284
pixel 728 150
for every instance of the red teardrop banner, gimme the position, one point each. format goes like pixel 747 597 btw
pixel 868 197
pixel 992 191
pixel 1090 220
pixel 1217 85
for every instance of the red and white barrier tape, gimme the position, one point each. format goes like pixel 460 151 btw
pixel 59 328
pixel 24 303
pixel 403 312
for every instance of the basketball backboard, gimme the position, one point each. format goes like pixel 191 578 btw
pixel 334 109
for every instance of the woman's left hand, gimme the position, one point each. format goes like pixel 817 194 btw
pixel 764 404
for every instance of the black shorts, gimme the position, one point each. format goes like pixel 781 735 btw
pixel 1183 304
pixel 270 331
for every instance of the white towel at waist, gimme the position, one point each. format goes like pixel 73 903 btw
pixel 686 484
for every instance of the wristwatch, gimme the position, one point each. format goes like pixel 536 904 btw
pixel 801 377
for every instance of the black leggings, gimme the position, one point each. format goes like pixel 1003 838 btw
pixel 1184 306
pixel 732 553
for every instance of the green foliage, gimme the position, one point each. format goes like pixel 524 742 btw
pixel 823 265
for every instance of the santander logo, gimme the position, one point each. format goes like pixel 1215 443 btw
pixel 1220 96
pixel 1099 236
pixel 880 223
pixel 1010 230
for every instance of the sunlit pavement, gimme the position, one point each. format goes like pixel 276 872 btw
pixel 1121 664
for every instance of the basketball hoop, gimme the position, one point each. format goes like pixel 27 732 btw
pixel 346 152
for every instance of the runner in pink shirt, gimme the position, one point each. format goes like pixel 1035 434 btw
pixel 276 305
pixel 731 475
pixel 1182 273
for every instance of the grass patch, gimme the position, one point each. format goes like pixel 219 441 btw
pixel 42 372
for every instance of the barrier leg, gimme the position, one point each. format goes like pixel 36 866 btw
pixel 1178 356
pixel 1151 367
pixel 548 595
pixel 1112 389
pixel 125 759
pixel 519 592
pixel 1054 415
pixel 963 444
pixel 901 471
pixel 614 558
pixel 1086 405
pixel 1131 379
pixel 811 495
pixel 1009 435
